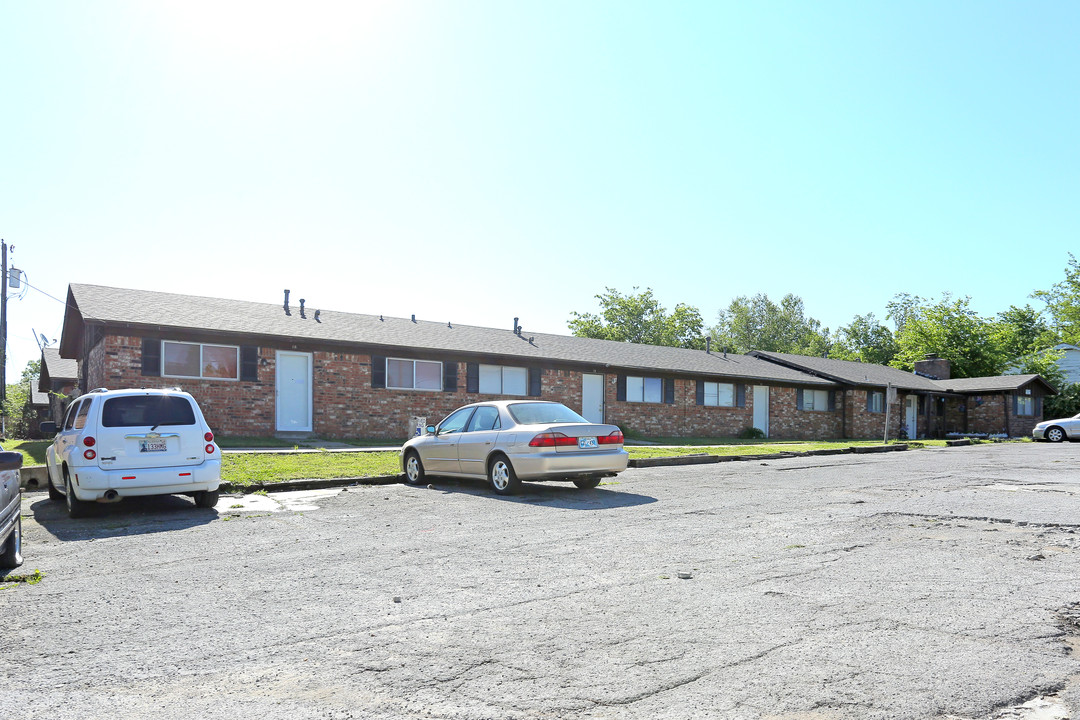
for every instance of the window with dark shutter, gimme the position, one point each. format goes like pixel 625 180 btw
pixel 620 388
pixel 378 371
pixel 740 395
pixel 449 376
pixel 699 393
pixel 833 400
pixel 669 391
pixel 249 363
pixel 151 357
pixel 472 377
pixel 535 376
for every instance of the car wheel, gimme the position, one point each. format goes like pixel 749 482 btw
pixel 414 469
pixel 11 553
pixel 1055 434
pixel 502 476
pixel 207 498
pixel 54 494
pixel 76 508
pixel 587 483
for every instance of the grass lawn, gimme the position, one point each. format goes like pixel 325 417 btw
pixel 252 468
pixel 33 450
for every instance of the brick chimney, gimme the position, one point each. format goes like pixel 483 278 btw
pixel 933 366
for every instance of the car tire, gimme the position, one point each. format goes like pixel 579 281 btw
pixel 54 494
pixel 587 483
pixel 76 508
pixel 11 553
pixel 207 498
pixel 414 468
pixel 1055 434
pixel 501 475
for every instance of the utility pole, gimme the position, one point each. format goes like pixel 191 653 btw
pixel 3 344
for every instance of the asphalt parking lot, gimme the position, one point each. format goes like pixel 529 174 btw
pixel 938 583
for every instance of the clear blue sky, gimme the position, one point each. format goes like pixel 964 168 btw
pixel 476 161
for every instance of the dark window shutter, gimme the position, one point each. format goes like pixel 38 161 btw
pixel 869 400
pixel 699 394
pixel 1038 407
pixel 832 400
pixel 449 376
pixel 798 399
pixel 472 377
pixel 740 395
pixel 1015 403
pixel 249 363
pixel 620 388
pixel 378 371
pixel 151 357
pixel 922 405
pixel 535 375
pixel 669 391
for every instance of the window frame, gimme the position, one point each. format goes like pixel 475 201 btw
pixel 502 379
pixel 1022 400
pixel 875 401
pixel 734 394
pixel 201 346
pixel 813 396
pixel 413 361
pixel 646 382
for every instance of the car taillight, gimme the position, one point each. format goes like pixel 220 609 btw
pixel 89 441
pixel 210 449
pixel 208 437
pixel 552 439
pixel 89 454
pixel 615 438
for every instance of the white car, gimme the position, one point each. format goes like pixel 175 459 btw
pixel 121 443
pixel 507 441
pixel 1057 430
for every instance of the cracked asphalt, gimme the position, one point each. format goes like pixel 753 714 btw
pixel 938 583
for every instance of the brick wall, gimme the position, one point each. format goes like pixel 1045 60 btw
pixel 786 420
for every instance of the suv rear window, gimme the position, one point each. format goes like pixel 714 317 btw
pixel 153 410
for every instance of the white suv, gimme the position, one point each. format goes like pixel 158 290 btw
pixel 117 443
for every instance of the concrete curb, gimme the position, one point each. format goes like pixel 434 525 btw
pixel 708 459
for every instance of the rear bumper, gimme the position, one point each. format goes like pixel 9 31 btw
pixel 554 465
pixel 92 483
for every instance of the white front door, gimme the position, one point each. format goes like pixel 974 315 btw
pixel 761 408
pixel 592 397
pixel 293 391
pixel 911 416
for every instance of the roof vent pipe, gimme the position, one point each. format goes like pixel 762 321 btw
pixel 317 316
pixel 414 318
pixel 302 309
pixel 517 328
pixel 708 345
pixel 287 303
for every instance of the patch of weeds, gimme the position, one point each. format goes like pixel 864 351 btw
pixel 665 577
pixel 260 492
pixel 257 516
pixel 30 579
pixel 226 518
pixel 236 505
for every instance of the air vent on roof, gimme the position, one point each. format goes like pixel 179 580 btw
pixel 317 316
pixel 302 309
pixel 708 345
pixel 287 303
pixel 414 318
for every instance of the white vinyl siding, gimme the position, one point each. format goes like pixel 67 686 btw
pixel 413 374
pixel 644 389
pixel 816 400
pixel 720 394
pixel 500 380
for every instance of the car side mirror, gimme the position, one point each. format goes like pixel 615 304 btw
pixel 10 460
pixel 430 429
pixel 47 428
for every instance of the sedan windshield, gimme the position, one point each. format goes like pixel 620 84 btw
pixel 543 414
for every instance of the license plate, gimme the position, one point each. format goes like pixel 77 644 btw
pixel 153 446
pixel 586 442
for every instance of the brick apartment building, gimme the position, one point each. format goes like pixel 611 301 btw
pixel 264 369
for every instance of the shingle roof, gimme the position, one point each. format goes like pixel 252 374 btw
pixel 156 311
pixel 997 383
pixel 853 373
pixel 57 367
pixel 38 398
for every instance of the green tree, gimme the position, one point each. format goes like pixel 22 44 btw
pixel 639 317
pixel 950 329
pixel 17 411
pixel 757 323
pixel 1022 331
pixel 864 339
pixel 1063 303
